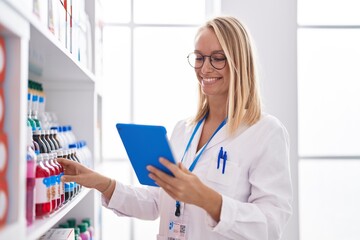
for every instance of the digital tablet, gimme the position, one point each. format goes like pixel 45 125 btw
pixel 144 145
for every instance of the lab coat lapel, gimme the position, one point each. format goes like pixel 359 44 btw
pixel 219 137
pixel 190 155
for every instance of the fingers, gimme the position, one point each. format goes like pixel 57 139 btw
pixel 72 170
pixel 66 162
pixel 174 169
pixel 183 168
pixel 69 178
pixel 177 170
pixel 158 175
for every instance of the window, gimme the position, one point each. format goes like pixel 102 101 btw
pixel 146 80
pixel 329 115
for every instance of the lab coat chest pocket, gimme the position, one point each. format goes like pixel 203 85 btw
pixel 221 174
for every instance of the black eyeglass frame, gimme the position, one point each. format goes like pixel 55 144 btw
pixel 205 56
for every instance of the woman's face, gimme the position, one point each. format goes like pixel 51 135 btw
pixel 213 82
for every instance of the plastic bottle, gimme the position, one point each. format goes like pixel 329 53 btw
pixel 34 111
pixel 58 136
pixel 48 139
pixel 90 227
pixel 67 191
pixel 65 136
pixel 70 156
pixel 69 186
pixel 35 146
pixel 37 138
pixel 29 106
pixel 30 179
pixel 71 222
pixel 42 188
pixel 53 174
pixel 42 114
pixel 43 138
pixel 84 234
pixel 57 194
pixel 53 134
pixel 87 153
pixel 59 154
pixel 71 134
pixel 77 234
pixel 80 152
pixel 72 149
pixel 64 225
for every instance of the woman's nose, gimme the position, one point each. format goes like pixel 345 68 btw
pixel 207 67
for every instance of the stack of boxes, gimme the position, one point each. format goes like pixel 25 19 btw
pixel 3 140
pixel 69 23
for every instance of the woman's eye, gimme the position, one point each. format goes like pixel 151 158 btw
pixel 218 58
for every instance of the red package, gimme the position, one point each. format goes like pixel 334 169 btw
pixel 4 202
pixel 2 109
pixel 2 59
pixel 3 155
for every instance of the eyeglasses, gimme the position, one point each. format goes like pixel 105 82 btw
pixel 217 60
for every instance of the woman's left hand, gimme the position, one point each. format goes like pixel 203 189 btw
pixel 186 187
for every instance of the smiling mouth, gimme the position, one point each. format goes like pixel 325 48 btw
pixel 207 81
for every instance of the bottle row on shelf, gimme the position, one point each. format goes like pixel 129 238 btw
pixel 46 142
pixel 45 193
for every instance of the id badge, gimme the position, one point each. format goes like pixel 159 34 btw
pixel 178 227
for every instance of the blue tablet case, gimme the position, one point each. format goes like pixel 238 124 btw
pixel 144 144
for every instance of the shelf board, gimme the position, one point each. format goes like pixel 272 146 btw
pixel 40 226
pixel 10 23
pixel 58 62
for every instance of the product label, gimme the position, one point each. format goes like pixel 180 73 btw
pixel 57 187
pixel 43 190
pixel 53 187
pixel 62 189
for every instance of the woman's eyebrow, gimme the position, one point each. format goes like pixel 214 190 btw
pixel 215 51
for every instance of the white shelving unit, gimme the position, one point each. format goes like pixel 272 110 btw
pixel 70 92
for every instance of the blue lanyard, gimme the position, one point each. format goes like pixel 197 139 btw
pixel 177 212
pixel 204 147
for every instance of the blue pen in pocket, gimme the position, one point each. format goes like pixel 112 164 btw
pixel 220 155
pixel 224 162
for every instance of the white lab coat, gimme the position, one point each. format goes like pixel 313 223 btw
pixel 256 186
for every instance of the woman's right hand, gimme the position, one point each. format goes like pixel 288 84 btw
pixel 76 172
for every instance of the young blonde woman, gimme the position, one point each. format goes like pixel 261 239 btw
pixel 233 176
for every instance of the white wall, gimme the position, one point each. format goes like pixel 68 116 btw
pixel 273 26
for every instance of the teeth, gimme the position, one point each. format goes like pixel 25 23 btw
pixel 209 80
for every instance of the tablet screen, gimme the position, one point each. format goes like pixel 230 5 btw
pixel 144 145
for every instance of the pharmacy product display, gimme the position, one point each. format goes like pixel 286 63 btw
pixel 47 141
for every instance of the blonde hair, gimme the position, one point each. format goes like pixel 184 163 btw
pixel 244 103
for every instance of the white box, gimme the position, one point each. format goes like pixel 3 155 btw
pixel 59 234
